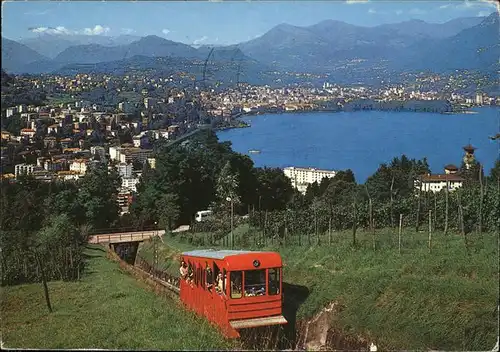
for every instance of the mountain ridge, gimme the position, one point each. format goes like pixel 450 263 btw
pixel 323 47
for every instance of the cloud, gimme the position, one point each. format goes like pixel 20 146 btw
pixel 200 40
pixel 372 11
pixel 61 30
pixel 444 6
pixel 127 31
pixel 350 2
pixel 165 31
pixel 37 13
pixel 465 5
pixel 416 11
pixel 52 30
pixel 97 30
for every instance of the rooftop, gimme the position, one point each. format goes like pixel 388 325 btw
pixel 308 169
pixel 442 178
pixel 213 254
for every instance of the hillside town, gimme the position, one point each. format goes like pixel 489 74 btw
pixel 88 119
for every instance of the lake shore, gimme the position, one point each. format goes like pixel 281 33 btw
pixel 362 140
pixel 424 107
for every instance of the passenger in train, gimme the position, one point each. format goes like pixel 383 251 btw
pixel 183 270
pixel 190 275
pixel 210 278
pixel 235 286
pixel 220 283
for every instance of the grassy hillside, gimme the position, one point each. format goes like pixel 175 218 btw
pixel 107 309
pixel 443 299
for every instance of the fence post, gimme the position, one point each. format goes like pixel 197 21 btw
pixel 285 233
pixel 400 230
pixel 330 231
pixel 430 231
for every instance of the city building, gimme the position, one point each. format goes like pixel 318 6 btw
pixel 79 166
pixel 303 177
pixel 130 183
pixel 25 169
pixel 98 151
pixel 152 163
pixel 479 99
pixel 124 199
pixel 125 170
pixel 436 183
pixel 128 155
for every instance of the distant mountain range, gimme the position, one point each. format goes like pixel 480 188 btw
pixel 51 45
pixel 330 45
pixel 327 47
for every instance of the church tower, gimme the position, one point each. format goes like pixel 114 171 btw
pixel 469 155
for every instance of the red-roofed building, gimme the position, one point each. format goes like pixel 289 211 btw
pixel 438 182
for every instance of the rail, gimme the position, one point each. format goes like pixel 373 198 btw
pixel 167 280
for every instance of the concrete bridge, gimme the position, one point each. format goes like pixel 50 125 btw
pixel 122 237
pixel 125 244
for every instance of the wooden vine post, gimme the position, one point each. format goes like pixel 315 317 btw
pixel 399 233
pixel 330 231
pixel 430 231
pixel 446 211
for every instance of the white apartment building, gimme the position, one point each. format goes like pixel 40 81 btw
pixel 479 99
pixel 303 177
pixel 149 103
pixel 125 170
pixel 114 152
pixel 79 166
pixel 11 111
pixel 128 155
pixel 130 184
pixel 25 169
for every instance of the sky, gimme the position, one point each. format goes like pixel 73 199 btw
pixel 216 22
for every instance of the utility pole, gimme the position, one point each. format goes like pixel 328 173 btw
pixel 232 233
pixel 230 199
pixel 155 259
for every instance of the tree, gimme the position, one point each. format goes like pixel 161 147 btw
pixel 227 185
pixel 168 210
pixel 399 176
pixel 274 188
pixel 494 177
pixel 137 165
pixel 97 195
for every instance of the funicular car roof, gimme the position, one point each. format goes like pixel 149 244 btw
pixel 237 259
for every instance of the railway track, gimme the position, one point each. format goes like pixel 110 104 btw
pixel 165 279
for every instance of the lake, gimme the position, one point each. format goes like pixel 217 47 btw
pixel 362 140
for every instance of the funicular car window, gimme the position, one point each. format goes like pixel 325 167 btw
pixel 236 279
pixel 274 281
pixel 224 278
pixel 195 275
pixel 190 271
pixel 255 282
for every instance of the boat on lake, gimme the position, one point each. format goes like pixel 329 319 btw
pixel 254 151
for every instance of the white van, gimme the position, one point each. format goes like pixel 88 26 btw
pixel 203 215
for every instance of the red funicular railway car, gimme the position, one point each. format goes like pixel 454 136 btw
pixel 234 289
